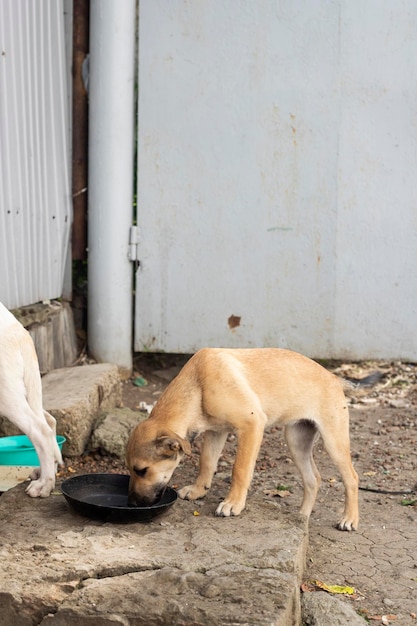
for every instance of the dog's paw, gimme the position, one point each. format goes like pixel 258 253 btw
pixel 192 492
pixel 229 509
pixel 348 524
pixel 40 488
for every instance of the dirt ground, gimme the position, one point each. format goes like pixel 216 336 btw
pixel 379 561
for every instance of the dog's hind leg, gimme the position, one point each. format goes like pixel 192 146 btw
pixel 21 402
pixel 42 426
pixel 15 406
pixel 213 444
pixel 44 441
pixel 51 421
pixel 300 438
pixel 337 445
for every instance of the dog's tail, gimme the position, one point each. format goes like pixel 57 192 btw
pixel 368 381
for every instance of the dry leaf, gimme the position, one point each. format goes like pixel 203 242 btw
pixel 342 589
pixel 280 493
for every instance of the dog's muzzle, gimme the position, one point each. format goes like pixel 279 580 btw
pixel 135 499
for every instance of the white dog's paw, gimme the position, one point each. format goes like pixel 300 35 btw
pixel 229 508
pixel 192 492
pixel 40 488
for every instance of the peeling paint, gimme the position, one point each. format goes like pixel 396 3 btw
pixel 234 321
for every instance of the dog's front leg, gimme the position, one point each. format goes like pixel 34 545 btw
pixel 249 442
pixel 213 445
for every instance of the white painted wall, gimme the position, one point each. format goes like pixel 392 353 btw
pixel 277 176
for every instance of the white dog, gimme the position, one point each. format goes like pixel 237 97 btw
pixel 21 400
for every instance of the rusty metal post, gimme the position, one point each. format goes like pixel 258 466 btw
pixel 81 19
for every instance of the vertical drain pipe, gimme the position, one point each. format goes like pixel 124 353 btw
pixel 110 180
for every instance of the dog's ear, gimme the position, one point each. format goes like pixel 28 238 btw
pixel 169 445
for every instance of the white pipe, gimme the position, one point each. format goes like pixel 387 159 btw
pixel 110 186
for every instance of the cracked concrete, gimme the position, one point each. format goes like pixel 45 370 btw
pixel 380 559
pixel 61 569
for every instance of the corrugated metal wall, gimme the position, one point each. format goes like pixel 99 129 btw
pixel 35 202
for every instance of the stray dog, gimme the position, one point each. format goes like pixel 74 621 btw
pixel 224 390
pixel 21 400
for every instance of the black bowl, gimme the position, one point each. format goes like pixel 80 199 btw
pixel 104 497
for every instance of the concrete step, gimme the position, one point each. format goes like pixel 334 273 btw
pixel 61 569
pixel 75 396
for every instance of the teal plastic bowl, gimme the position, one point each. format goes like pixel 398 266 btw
pixel 19 450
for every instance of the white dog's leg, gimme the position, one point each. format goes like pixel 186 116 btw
pixel 21 403
pixel 44 441
pixel 41 484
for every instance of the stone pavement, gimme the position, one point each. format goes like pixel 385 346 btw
pixel 59 568
pixel 186 567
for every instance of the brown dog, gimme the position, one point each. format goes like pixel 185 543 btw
pixel 221 390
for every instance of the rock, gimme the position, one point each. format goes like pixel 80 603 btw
pixel 322 609
pixel 75 395
pixel 113 431
pixel 399 403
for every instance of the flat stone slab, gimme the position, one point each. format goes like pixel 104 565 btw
pixel 59 568
pixel 75 395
